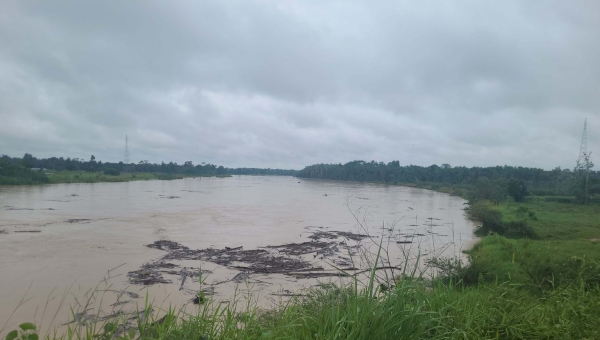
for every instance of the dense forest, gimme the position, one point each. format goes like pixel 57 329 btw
pixel 30 170
pixel 488 181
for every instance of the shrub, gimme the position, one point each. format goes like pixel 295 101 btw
pixel 490 218
pixel 517 190
pixel 112 172
pixel 491 221
pixel 518 229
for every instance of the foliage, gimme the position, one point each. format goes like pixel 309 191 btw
pixel 517 189
pixel 27 161
pixel 26 331
pixel 112 172
pixel 563 253
pixel 554 182
pixel 12 174
pixel 492 221
pixel 489 217
pixel 169 170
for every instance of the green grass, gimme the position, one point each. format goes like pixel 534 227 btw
pixel 92 177
pixel 559 221
pixel 413 309
pixel 566 250
pixel 96 177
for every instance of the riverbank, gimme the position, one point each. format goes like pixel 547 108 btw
pixel 563 248
pixel 97 177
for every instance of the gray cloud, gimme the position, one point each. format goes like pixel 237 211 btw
pixel 292 83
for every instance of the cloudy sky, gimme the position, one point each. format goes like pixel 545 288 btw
pixel 285 83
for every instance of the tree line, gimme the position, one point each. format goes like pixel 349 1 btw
pixel 493 183
pixel 13 173
pixel 488 182
pixel 17 170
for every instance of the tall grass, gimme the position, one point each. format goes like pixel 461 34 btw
pixel 412 309
pixel 408 308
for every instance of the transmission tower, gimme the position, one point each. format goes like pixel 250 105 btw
pixel 126 156
pixel 583 147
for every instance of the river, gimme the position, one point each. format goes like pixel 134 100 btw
pixel 59 241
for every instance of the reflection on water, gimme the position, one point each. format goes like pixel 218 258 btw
pixel 65 237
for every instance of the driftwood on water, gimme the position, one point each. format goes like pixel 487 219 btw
pixel 183 277
pixel 283 259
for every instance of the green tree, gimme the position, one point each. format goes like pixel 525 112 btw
pixel 517 189
pixel 27 161
pixel 484 188
pixel 92 164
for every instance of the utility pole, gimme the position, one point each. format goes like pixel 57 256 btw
pixel 583 146
pixel 126 155
pixel 588 166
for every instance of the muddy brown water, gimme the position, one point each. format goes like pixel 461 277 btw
pixel 60 242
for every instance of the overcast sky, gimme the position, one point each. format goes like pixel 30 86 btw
pixel 284 84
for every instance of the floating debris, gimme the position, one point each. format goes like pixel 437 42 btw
pixel 242 276
pixel 319 275
pixel 149 273
pixel 259 260
pixel 352 236
pixel 283 259
pixel 301 248
pixel 323 234
pixel 79 220
pixel 335 234
pixel 146 276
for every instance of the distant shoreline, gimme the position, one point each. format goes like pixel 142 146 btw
pixel 66 176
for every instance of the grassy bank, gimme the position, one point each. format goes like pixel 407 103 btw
pixel 563 250
pixel 96 177
pixel 463 191
pixel 411 309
